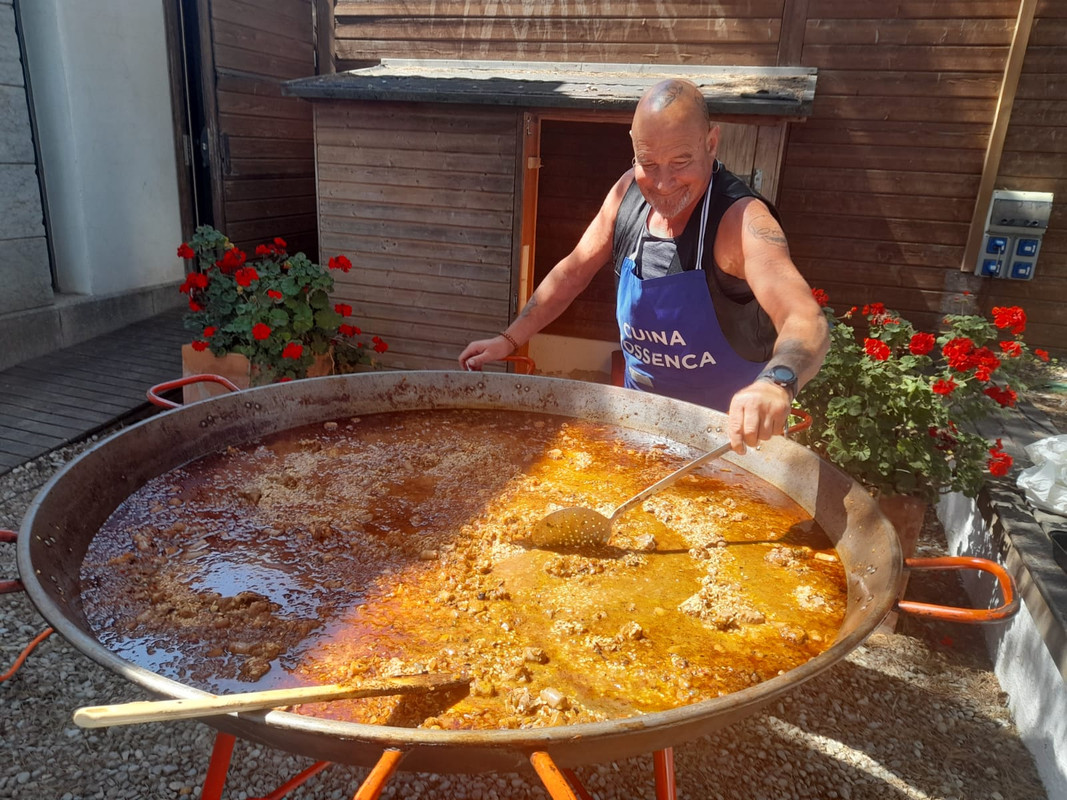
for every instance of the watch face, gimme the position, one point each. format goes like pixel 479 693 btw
pixel 782 373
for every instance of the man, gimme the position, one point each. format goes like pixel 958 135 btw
pixel 711 309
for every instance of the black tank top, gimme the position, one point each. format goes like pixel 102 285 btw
pixel 746 325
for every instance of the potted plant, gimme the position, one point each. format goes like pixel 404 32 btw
pixel 266 317
pixel 895 407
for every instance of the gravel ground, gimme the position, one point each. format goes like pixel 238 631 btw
pixel 914 714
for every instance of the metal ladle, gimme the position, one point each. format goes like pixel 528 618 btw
pixel 577 526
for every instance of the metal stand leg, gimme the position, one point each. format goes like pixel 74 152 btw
pixel 219 765
pixel 663 765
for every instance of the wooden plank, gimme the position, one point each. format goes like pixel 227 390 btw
pixel 884 229
pixel 917 159
pixel 534 31
pixel 932 184
pixel 953 135
pixel 816 247
pixel 867 204
pixel 410 230
pixel 896 109
pixel 1001 118
pixel 903 57
pixel 290 21
pixel 1040 112
pixel 791 38
pixel 497 184
pixel 914 9
pixel 266 128
pixel 697 53
pixel 236 59
pixel 412 195
pixel 400 216
pixel 1023 139
pixel 373 115
pixel 911 32
pixel 556 8
pixel 324 37
pixel 908 83
pixel 79 415
pixel 258 168
pixel 269 206
pixel 237 191
pixel 355 242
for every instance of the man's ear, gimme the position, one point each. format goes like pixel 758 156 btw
pixel 713 140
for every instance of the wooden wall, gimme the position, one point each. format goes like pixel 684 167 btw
pixel 728 32
pixel 422 199
pixel 878 187
pixel 1035 159
pixel 265 141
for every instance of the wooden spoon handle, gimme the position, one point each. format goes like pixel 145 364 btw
pixel 164 710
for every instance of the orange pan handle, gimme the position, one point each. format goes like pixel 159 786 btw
pixel 524 363
pixel 803 425
pixel 154 392
pixel 6 587
pixel 1007 609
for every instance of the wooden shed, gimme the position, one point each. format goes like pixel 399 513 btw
pixel 450 206
pixel 454 186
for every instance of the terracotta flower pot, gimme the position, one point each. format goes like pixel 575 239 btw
pixel 232 366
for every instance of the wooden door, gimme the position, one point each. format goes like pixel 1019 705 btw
pixel 256 145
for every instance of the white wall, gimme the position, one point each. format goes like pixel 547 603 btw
pixel 101 93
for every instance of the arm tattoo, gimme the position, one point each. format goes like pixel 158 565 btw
pixel 770 233
pixel 531 304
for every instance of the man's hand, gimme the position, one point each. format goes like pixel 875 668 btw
pixel 483 351
pixel 757 412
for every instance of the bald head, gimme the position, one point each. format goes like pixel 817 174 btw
pixel 676 98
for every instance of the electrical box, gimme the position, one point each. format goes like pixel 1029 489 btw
pixel 1016 224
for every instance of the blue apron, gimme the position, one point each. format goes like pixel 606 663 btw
pixel 671 339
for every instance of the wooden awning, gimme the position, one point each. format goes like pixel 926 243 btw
pixel 772 91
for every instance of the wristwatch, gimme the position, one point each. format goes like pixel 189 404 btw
pixel 783 376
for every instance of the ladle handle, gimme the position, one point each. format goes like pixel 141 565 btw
pixel 662 484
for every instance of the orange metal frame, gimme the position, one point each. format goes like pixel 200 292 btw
pixel 561 784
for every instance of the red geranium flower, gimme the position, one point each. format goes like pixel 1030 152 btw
pixel 1042 354
pixel 283 380
pixel 1011 317
pixel 200 346
pixel 209 331
pixel 944 386
pixel 245 276
pixel 348 330
pixel 264 250
pixel 344 309
pixel 821 297
pixel 921 344
pixel 280 242
pixel 999 461
pixel 185 251
pixel 231 260
pixel 874 309
pixel 293 350
pixel 876 349
pixel 379 345
pixel 274 294
pixel 1012 349
pixel 260 331
pixel 340 262
pixel 195 306
pixel 958 353
pixel 1005 397
pixel 194 280
pixel 985 363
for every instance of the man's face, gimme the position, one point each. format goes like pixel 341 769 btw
pixel 673 162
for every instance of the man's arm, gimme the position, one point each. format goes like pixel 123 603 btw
pixel 564 282
pixel 754 248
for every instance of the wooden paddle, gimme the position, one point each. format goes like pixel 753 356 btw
pixel 165 710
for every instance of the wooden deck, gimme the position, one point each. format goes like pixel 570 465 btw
pixel 63 397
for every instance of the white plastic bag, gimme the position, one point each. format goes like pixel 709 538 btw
pixel 1045 483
